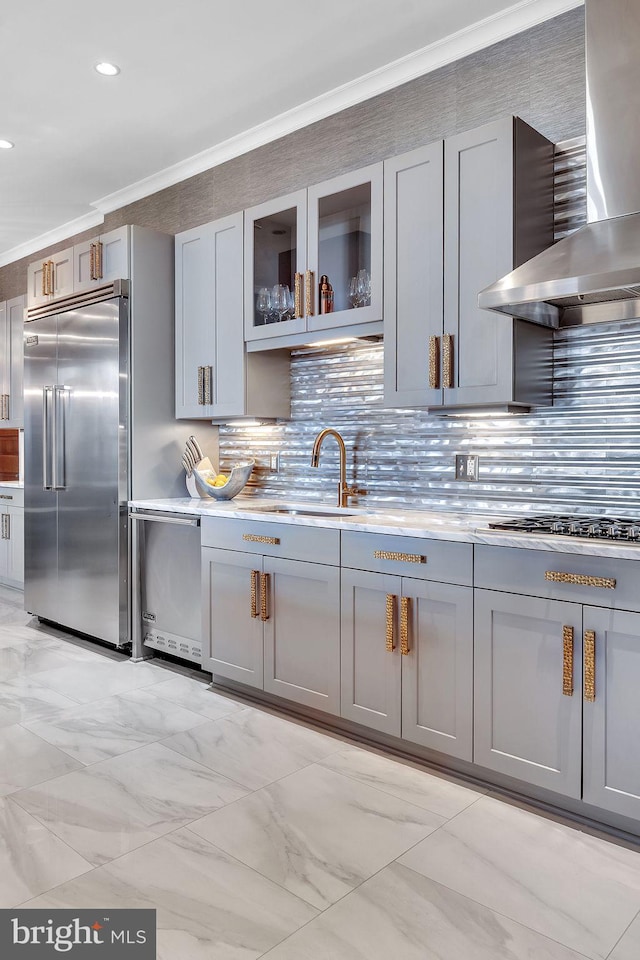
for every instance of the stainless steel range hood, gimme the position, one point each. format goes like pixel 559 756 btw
pixel 594 275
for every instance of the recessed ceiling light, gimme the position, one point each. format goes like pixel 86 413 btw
pixel 6 144
pixel 107 69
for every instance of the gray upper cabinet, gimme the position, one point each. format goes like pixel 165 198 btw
pixel 413 271
pixel 527 703
pixel 498 213
pixel 215 379
pixel 11 362
pixel 101 260
pixel 610 711
pixel 333 229
pixel 50 279
pixel 457 217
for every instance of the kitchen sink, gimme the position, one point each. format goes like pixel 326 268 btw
pixel 307 512
pixel 303 511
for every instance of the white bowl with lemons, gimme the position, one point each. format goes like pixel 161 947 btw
pixel 221 486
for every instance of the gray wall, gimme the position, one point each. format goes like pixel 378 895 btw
pixel 537 75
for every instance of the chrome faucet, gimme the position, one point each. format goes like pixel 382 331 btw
pixel 344 491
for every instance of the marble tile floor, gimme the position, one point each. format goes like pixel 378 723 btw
pixel 255 836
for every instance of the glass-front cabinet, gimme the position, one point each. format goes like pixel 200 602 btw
pixel 314 258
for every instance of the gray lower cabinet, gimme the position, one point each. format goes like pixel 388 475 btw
pixel 527 701
pixel 232 632
pixel 407 659
pixel 611 778
pixel 273 621
pixel 302 633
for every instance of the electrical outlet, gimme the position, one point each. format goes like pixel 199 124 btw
pixel 467 466
pixel 274 462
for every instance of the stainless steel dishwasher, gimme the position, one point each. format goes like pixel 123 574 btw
pixel 166 584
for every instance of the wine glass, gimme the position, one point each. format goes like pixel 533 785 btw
pixel 263 304
pixel 353 292
pixel 291 305
pixel 364 287
pixel 280 300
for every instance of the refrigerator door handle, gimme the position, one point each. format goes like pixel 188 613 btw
pixel 60 394
pixel 47 396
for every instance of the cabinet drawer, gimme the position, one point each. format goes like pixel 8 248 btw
pixel 414 557
pixel 600 581
pixel 296 542
pixel 11 496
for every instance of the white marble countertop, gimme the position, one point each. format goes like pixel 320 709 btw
pixel 433 525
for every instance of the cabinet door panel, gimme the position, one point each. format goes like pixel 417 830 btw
pixel 612 720
pixel 82 258
pixel 195 343
pixel 62 273
pixel 413 266
pixel 115 255
pixel 35 296
pixel 232 638
pixel 524 725
pixel 345 237
pixel 15 323
pixel 371 675
pixel 226 307
pixel 275 249
pixel 437 674
pixel 478 250
pixel 15 559
pixel 302 633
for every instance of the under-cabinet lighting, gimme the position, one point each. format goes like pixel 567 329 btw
pixel 6 144
pixel 107 69
pixel 331 343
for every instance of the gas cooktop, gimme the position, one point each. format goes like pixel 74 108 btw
pixel 604 528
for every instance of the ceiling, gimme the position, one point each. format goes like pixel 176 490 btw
pixel 200 79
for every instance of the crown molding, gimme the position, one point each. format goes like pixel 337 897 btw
pixel 69 229
pixel 521 16
pixel 484 33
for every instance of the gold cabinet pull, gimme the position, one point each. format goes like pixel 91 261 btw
pixel 434 362
pixel 43 284
pixel 98 260
pixel 201 386
pixel 447 360
pixel 92 261
pixel 254 594
pixel 264 589
pixel 52 277
pixel 297 296
pixel 255 538
pixel 404 557
pixel 207 386
pixel 590 665
pixel 580 580
pixel 309 293
pixel 404 626
pixel 567 661
pixel 390 621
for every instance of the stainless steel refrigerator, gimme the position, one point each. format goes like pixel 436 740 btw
pixel 99 430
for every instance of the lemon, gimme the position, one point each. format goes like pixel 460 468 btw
pixel 220 480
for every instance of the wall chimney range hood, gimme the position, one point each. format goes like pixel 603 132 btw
pixel 594 275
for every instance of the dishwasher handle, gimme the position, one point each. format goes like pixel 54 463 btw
pixel 164 518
